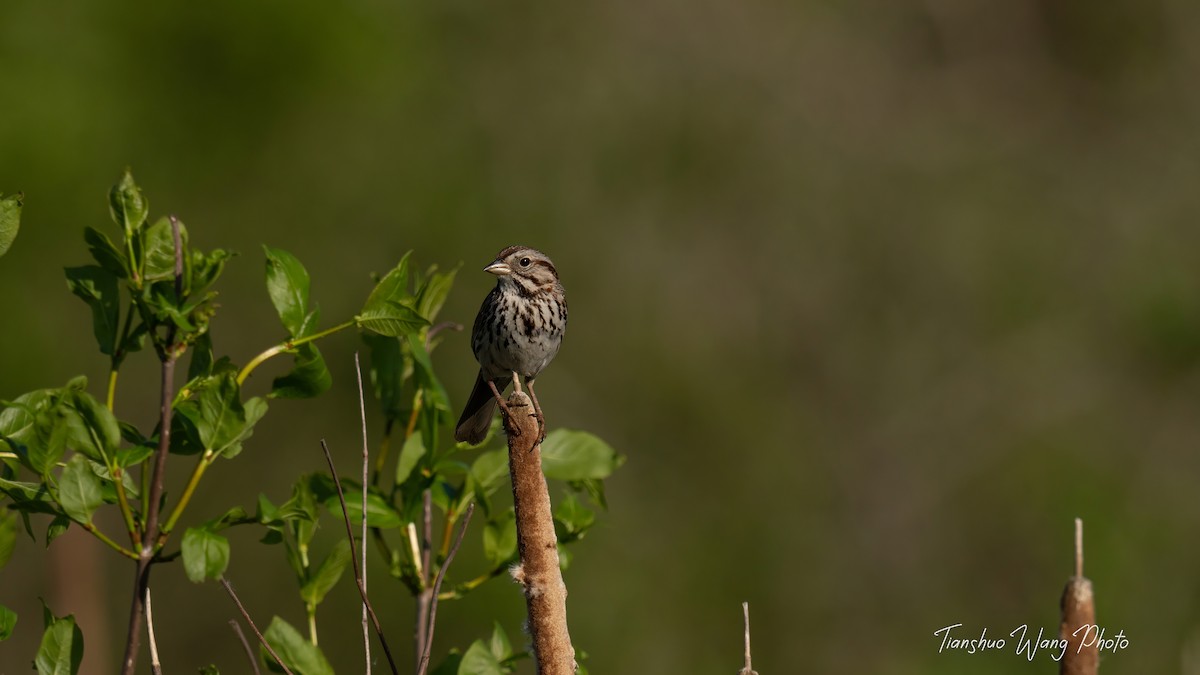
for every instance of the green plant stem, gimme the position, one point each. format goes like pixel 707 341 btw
pixel 312 622
pixel 118 357
pixel 447 532
pixel 288 346
pixel 8 455
pixel 111 544
pixel 467 586
pixel 112 388
pixel 145 491
pixel 206 460
pixel 117 474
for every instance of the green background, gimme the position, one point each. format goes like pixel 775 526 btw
pixel 876 297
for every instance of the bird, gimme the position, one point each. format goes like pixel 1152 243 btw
pixel 518 331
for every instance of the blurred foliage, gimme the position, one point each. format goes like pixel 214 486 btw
pixel 876 296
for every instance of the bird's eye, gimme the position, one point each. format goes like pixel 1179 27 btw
pixel 524 262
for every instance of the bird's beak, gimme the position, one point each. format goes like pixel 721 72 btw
pixel 498 268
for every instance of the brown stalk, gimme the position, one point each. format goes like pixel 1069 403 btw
pixel 538 572
pixel 155 664
pixel 246 616
pixel 426 595
pixel 748 670
pixel 1079 618
pixel 423 667
pixel 237 629
pixel 141 581
pixel 362 578
pixel 362 591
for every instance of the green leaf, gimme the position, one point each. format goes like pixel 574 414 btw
pixel 393 287
pixel 10 221
pixel 105 253
pixel 379 512
pixel 205 268
pixel 410 455
pixel 8 621
pixel 221 422
pixel 98 288
pixel 8 535
pixel 103 434
pixel 304 505
pixel 573 517
pixel 313 591
pixel 309 376
pixel 159 258
pixel 202 357
pixel 210 669
pixel 287 284
pixel 577 455
pixel 57 527
pixel 205 554
pixel 392 319
pixel 79 490
pixel 499 645
pixel 61 650
pixel 479 660
pixel 255 409
pixel 127 205
pixel 298 654
pixel 387 369
pixel 17 419
pixel 133 455
pixel 435 394
pixel 500 538
pixel 231 517
pixel 490 471
pixel 29 497
pixel 432 294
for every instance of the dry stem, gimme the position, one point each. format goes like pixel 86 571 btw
pixel 246 616
pixel 237 629
pixel 423 666
pixel 362 591
pixel 748 670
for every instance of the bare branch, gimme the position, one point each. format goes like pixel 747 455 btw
pixel 246 616
pixel 422 560
pixel 362 577
pixel 237 629
pixel 748 670
pixel 437 328
pixel 437 585
pixel 354 559
pixel 155 664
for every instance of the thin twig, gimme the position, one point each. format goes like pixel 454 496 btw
pixel 437 586
pixel 1079 547
pixel 354 559
pixel 362 579
pixel 155 664
pixel 237 629
pixel 246 616
pixel 746 621
pixel 437 328
pixel 423 571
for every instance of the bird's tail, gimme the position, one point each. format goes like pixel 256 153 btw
pixel 477 416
